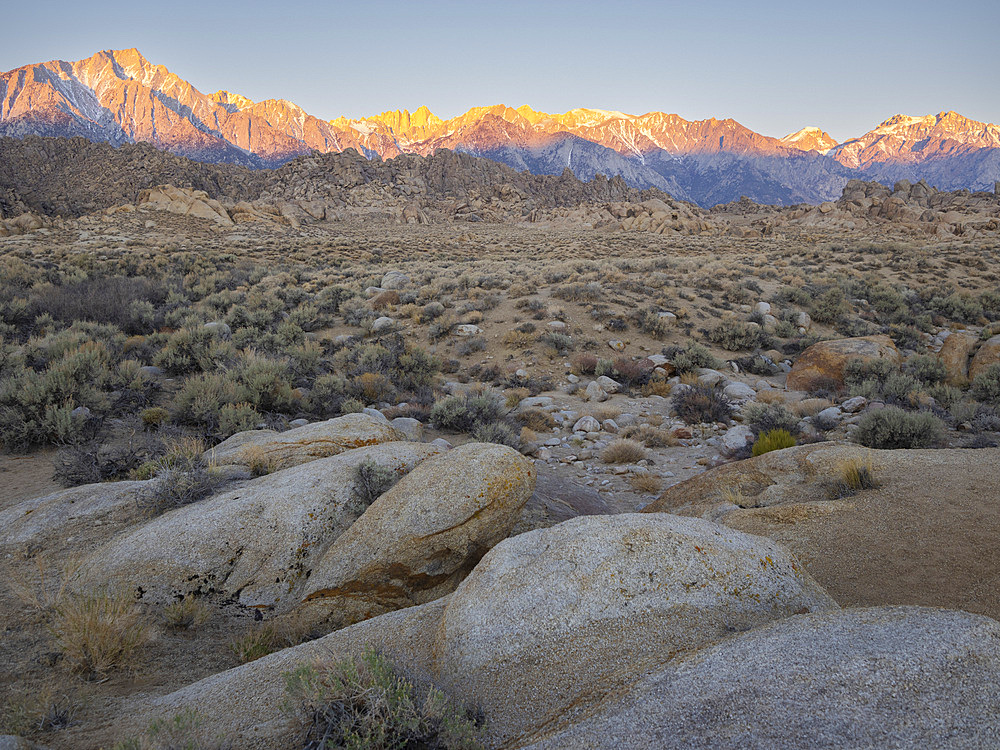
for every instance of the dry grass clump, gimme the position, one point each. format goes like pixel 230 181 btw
pixel 853 474
pixel 186 614
pixel 810 407
pixel 537 420
pixel 513 396
pixel 650 436
pixel 646 483
pixel 256 643
pixel 623 451
pixel 100 632
pixel 656 387
pixel 44 587
pixel 771 397
pixel 734 494
pixel 259 461
pixel 520 337
pixel 26 712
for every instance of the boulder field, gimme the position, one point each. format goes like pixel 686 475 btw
pixel 757 605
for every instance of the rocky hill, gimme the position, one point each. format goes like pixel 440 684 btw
pixel 46 178
pixel 119 97
pixel 74 176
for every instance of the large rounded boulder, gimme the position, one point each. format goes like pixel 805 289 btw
pixel 955 354
pixel 307 443
pixel 553 614
pixel 822 364
pixel 894 677
pixel 986 356
pixel 252 545
pixel 422 537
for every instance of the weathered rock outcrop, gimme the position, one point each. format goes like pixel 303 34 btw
pixel 986 356
pixel 824 363
pixel 881 677
pixel 306 443
pixel 924 536
pixel 186 202
pixel 253 545
pixel 552 615
pixel 417 541
pixel 95 511
pixel 955 354
pixel 244 704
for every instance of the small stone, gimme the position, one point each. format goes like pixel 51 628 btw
pixel 383 323
pixel 375 413
pixel 736 439
pixel 218 328
pixel 609 425
pixel 831 415
pixel 737 391
pixel 587 424
pixel 609 385
pixel 854 405
pixel 617 345
pixel 594 392
pixel 412 428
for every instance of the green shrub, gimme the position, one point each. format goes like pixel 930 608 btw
pixel 465 413
pixel 266 383
pixel 830 306
pixel 502 433
pixel 201 398
pixel 769 417
pixel 738 335
pixel 701 403
pixel 893 427
pixel 986 385
pixel 560 342
pixel 351 406
pixel 960 306
pixel 693 357
pixel 366 703
pixel 772 440
pixel 371 481
pixel 188 350
pixel 927 369
pixel 235 418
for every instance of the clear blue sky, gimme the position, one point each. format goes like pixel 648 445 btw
pixel 774 66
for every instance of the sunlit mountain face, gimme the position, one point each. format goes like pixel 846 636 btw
pixel 120 97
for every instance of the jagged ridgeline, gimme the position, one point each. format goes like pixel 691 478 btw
pixel 74 176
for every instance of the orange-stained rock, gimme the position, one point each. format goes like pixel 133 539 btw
pixel 954 355
pixel 988 355
pixel 824 363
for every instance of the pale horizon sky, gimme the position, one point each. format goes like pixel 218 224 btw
pixel 773 66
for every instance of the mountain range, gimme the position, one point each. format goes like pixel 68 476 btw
pixel 120 97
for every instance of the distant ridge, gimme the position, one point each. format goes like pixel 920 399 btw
pixel 119 97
